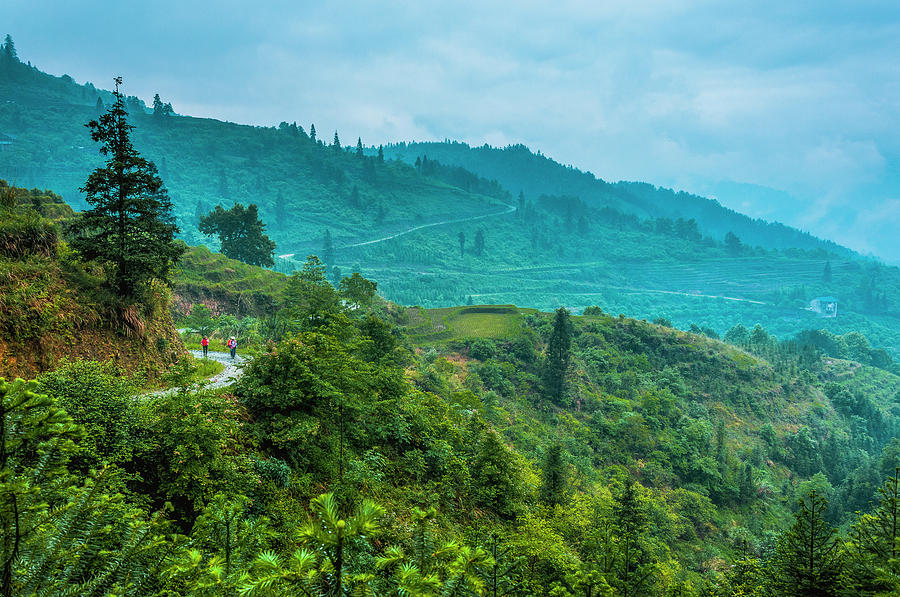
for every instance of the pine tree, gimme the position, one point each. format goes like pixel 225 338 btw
pixel 630 560
pixel 130 226
pixel 381 154
pixel 336 143
pixel 479 242
pixel 826 273
pixel 359 147
pixel 808 560
pixel 312 133
pixel 554 489
pixel 327 248
pixel 158 106
pixel 100 106
pixel 873 551
pixel 9 49
pixel 558 356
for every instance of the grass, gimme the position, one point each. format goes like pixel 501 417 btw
pixel 207 368
pixel 481 321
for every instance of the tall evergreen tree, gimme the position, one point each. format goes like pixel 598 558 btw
pixel 327 248
pixel 336 143
pixel 631 568
pixel 381 154
pixel 9 48
pixel 873 550
pixel 312 133
pixel 554 488
pixel 558 356
pixel 479 242
pixel 359 147
pixel 130 224
pixel 826 273
pixel 808 560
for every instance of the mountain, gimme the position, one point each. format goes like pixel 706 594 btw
pixel 440 234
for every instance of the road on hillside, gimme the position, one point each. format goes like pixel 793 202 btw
pixel 509 209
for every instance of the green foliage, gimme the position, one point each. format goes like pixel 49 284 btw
pixel 558 356
pixel 241 234
pixel 201 320
pixel 130 225
pixel 809 559
pixel 101 400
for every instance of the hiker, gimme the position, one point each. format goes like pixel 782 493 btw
pixel 205 344
pixel 232 344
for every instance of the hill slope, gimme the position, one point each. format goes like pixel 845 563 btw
pixel 575 240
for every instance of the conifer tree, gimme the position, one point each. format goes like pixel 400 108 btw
pixel 312 133
pixel 558 356
pixel 630 561
pixel 130 226
pixel 479 242
pixel 826 273
pixel 381 154
pixel 809 559
pixel 359 147
pixel 9 48
pixel 554 488
pixel 873 549
pixel 336 143
pixel 327 248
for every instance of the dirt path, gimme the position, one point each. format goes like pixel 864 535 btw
pixel 509 209
pixel 233 370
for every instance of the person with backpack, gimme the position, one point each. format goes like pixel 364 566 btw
pixel 205 344
pixel 232 344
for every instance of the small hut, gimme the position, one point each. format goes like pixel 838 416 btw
pixel 825 306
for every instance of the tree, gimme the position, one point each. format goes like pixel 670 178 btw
pixel 554 489
pixel 358 290
pixel 157 105
pixel 808 559
pixel 874 544
pixel 826 273
pixel 336 143
pixel 312 133
pixel 733 243
pixel 241 234
pixel 100 106
pixel 327 248
pixel 130 226
pixel 201 320
pixel 9 48
pixel 381 154
pixel 495 476
pixel 479 242
pixel 630 562
pixel 462 243
pixel 309 298
pixel 738 335
pixel 558 356
pixel 359 147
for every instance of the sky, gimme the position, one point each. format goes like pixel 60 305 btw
pixel 782 110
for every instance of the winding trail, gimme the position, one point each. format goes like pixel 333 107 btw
pixel 233 370
pixel 509 209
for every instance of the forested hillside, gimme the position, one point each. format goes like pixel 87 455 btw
pixel 478 450
pixel 54 306
pixel 437 234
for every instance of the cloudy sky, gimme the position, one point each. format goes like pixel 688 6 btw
pixel 786 110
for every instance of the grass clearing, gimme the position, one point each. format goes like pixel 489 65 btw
pixel 477 321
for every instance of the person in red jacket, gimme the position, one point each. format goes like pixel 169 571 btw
pixel 232 344
pixel 205 344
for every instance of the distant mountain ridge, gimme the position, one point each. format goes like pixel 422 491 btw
pixel 517 168
pixel 452 229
